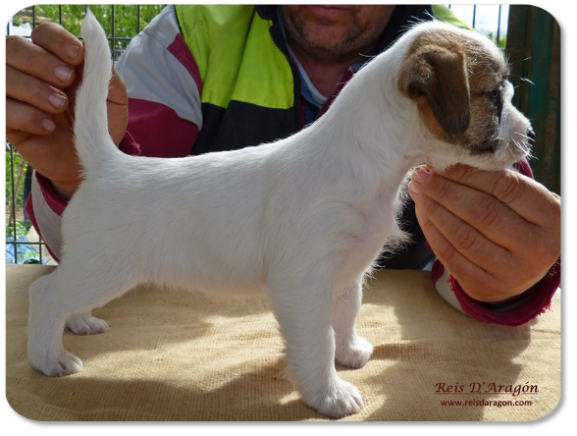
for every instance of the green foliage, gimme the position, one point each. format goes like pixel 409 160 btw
pixel 20 229
pixel 16 168
pixel 17 20
pixel 502 42
pixel 122 21
pixel 20 253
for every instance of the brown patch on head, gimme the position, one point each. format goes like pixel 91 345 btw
pixel 455 82
pixel 435 77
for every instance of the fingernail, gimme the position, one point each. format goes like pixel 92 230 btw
pixel 48 125
pixel 421 175
pixel 72 51
pixel 57 100
pixel 63 73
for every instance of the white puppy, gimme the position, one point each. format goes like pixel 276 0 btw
pixel 302 219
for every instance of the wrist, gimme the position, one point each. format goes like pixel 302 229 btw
pixel 512 302
pixel 64 190
pixel 519 313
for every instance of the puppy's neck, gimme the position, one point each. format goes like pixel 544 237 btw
pixel 373 128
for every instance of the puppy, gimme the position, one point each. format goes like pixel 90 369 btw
pixel 301 219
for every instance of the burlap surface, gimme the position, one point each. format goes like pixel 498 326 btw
pixel 179 357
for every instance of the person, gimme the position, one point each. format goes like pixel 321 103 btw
pixel 201 79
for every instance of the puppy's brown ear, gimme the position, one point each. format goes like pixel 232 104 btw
pixel 436 77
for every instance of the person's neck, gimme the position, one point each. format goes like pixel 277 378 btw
pixel 325 75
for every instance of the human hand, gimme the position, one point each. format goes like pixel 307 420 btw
pixel 498 233
pixel 42 76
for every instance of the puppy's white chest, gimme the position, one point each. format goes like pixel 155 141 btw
pixel 377 227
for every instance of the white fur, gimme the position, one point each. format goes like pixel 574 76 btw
pixel 302 219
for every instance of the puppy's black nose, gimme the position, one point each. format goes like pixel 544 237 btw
pixel 531 136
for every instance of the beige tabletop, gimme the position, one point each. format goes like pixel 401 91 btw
pixel 173 356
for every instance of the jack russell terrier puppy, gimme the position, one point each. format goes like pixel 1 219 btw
pixel 302 219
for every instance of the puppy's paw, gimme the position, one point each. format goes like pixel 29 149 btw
pixel 86 324
pixel 342 400
pixel 354 354
pixel 64 364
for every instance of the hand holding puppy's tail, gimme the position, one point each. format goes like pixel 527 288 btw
pixel 92 140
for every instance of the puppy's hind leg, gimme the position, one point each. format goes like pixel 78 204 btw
pixel 86 324
pixel 56 297
pixel 352 350
pixel 302 306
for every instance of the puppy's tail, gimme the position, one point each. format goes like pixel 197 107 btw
pixel 92 140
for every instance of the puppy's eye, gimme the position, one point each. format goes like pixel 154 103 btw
pixel 496 99
pixel 495 96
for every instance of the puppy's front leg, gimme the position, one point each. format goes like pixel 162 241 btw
pixel 303 309
pixel 352 350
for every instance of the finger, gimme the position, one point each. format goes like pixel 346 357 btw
pixel 35 61
pixel 523 195
pixel 460 267
pixel 464 238
pixel 479 283
pixel 118 106
pixel 117 93
pixel 28 89
pixel 493 219
pixel 55 39
pixel 23 118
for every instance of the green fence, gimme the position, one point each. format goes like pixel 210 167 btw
pixel 533 45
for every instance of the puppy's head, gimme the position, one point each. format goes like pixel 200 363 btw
pixel 458 80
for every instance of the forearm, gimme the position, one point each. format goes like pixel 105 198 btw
pixel 513 312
